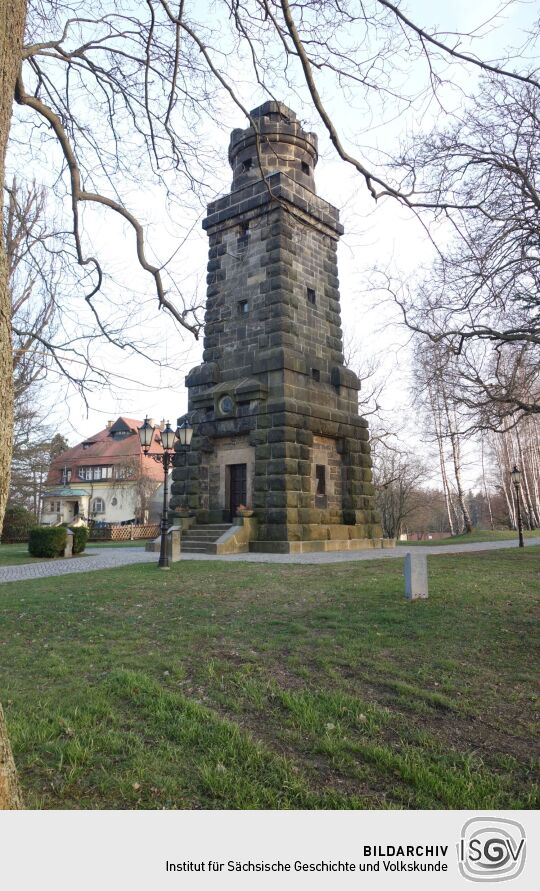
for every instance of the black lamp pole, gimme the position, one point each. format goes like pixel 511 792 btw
pixel 516 479
pixel 166 459
pixel 168 438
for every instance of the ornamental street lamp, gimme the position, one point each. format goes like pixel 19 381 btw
pixel 168 437
pixel 516 479
pixel 184 432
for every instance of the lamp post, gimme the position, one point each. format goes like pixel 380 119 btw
pixel 168 437
pixel 516 479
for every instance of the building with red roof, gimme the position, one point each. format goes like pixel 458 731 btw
pixel 105 478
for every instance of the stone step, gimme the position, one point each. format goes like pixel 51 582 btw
pixel 212 536
pixel 199 539
pixel 196 540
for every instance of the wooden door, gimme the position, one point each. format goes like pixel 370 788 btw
pixel 237 486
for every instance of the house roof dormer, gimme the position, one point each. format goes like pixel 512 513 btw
pixel 120 429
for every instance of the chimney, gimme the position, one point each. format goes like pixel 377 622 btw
pixel 109 424
pixel 152 422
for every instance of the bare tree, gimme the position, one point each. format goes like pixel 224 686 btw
pixel 519 445
pixel 398 477
pixel 142 485
pixel 435 373
pixel 481 297
pixel 12 19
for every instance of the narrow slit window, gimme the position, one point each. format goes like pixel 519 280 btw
pixel 315 374
pixel 243 307
pixel 247 164
pixel 244 229
pixel 306 168
pixel 311 296
pixel 320 477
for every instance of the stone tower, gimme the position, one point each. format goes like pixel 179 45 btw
pixel 274 410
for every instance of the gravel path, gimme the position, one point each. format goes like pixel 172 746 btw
pixel 109 558
pixel 104 558
pixel 372 554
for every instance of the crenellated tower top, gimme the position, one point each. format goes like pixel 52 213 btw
pixel 276 143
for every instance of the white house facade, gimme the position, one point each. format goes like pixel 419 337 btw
pixel 106 478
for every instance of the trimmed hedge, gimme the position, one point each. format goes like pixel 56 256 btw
pixel 80 537
pixel 47 541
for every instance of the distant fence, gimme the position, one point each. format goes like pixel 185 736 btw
pixel 425 536
pixel 124 533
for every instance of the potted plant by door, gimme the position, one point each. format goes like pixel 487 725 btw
pixel 182 511
pixel 244 511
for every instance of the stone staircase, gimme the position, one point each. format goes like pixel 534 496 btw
pixel 200 538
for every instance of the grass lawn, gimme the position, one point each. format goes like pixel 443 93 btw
pixel 12 554
pixel 473 537
pixel 242 685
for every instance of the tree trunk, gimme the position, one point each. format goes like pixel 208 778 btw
pixel 10 793
pixel 484 483
pixel 456 460
pixel 436 412
pixel 12 18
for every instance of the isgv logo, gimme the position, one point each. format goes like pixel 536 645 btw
pixel 491 849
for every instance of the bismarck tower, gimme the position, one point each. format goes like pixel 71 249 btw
pixel 274 410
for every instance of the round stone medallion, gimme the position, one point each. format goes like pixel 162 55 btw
pixel 226 405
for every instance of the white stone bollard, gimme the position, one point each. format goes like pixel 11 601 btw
pixel 68 550
pixel 416 579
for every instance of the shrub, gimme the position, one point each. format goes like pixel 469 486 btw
pixel 17 523
pixel 80 537
pixel 47 541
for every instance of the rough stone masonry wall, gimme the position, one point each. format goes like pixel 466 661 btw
pixel 284 479
pixel 236 272
pixel 271 241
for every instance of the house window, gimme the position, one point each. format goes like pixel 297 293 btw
pixel 120 434
pixel 51 507
pixel 305 168
pixel 102 473
pixel 57 507
pixel 311 296
pixel 247 164
pixel 320 478
pixel 98 506
pixel 315 374
pixel 123 473
pixel 243 307
pixel 243 236
pixel 95 472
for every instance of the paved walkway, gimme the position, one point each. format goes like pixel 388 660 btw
pixel 371 554
pixel 104 558
pixel 109 558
